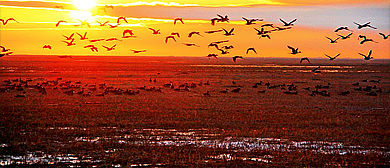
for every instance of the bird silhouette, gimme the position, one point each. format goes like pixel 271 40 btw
pixel 113 26
pixel 251 49
pixel 113 39
pixel 228 33
pixel 59 7
pixel 191 44
pixel 92 47
pixel 316 70
pixel 236 57
pixel 178 19
pixel 228 47
pixel 342 28
pixel 137 51
pixel 3 49
pixel 332 58
pixel 213 20
pixel 69 43
pixel 223 18
pixel 61 21
pixel 251 21
pixel 155 31
pixel 287 24
pixel 304 59
pixel 127 31
pixel 360 26
pixel 282 28
pixel 6 21
pixel 82 37
pixel 96 40
pixel 261 31
pixel 218 42
pixel 194 32
pixel 102 24
pixel 212 55
pixel 70 37
pixel 82 23
pixel 121 18
pixel 109 48
pixel 47 46
pixel 331 40
pixel 268 24
pixel 175 34
pixel 345 37
pixel 384 36
pixel 367 57
pixel 265 35
pixel 214 44
pixel 223 51
pixel 169 37
pixel 4 54
pixel 213 31
pixel 365 39
pixel 293 50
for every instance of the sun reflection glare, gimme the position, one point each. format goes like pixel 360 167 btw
pixel 82 15
pixel 84 4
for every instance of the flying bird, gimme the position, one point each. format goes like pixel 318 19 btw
pixel 61 21
pixel 214 44
pixel 236 57
pixel 96 40
pixel 223 41
pixel 47 46
pixel 102 24
pixel 384 36
pixel 109 48
pixel 113 26
pixel 287 24
pixel 8 53
pixel 3 49
pixel 213 20
pixel 345 37
pixel 228 47
pixel 175 34
pixel 282 28
pixel 178 19
pixel 69 43
pixel 304 59
pixel 169 37
pixel 6 21
pixel 332 58
pixel 212 55
pixel 223 18
pixel 316 70
pixel 112 39
pixel 251 49
pixel 268 24
pixel 213 31
pixel 82 23
pixel 155 31
pixel 331 40
pixel 121 18
pixel 265 35
pixel 251 21
pixel 194 32
pixel 82 37
pixel 360 26
pixel 365 39
pixel 228 33
pixel 190 44
pixel 138 51
pixel 293 50
pixel 261 31
pixel 92 47
pixel 223 51
pixel 70 37
pixel 342 28
pixel 367 57
pixel 127 31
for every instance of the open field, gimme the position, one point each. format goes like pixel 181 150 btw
pixel 161 126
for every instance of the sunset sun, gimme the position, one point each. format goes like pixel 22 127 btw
pixel 84 4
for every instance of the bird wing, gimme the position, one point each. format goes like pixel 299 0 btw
pixel 349 34
pixel 106 47
pixel 338 29
pixel 226 32
pixel 291 48
pixel 383 35
pixel 220 16
pixel 245 19
pixel 327 56
pixel 369 53
pixel 357 23
pixel 234 59
pixel 329 38
pixel 81 36
pixel 258 31
pixel 231 31
pixel 2 48
pixel 293 21
pixel 152 29
pixel 337 55
pixel 71 35
pixel 362 55
pixel 282 21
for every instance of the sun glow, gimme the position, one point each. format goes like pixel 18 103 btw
pixel 84 4
pixel 82 15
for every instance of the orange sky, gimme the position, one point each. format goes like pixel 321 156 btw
pixel 37 28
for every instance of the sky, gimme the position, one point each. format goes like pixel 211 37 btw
pixel 316 20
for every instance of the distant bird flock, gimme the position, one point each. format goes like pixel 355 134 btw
pixel 261 32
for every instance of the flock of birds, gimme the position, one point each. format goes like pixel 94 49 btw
pixel 263 32
pixel 84 89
